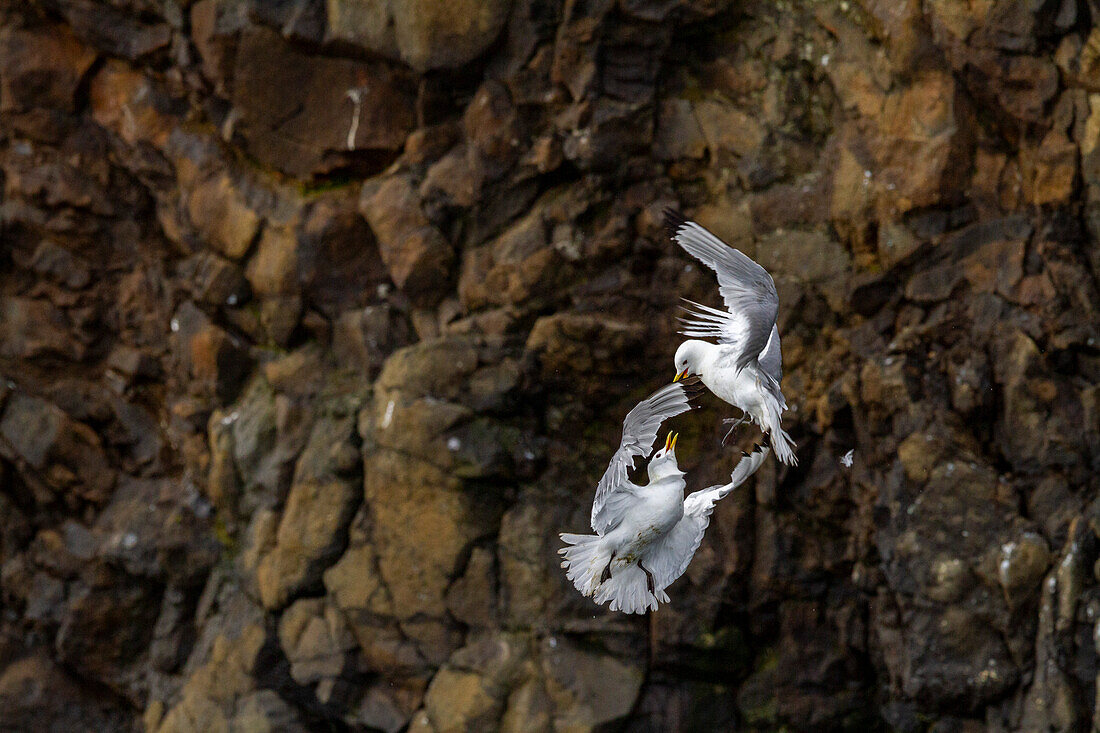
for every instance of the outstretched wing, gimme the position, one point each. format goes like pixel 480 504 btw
pixel 747 290
pixel 670 556
pixel 614 492
pixel 771 360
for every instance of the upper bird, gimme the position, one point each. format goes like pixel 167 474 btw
pixel 745 367
pixel 645 535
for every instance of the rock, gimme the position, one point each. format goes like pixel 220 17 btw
pixel 132 105
pixel 318 509
pixel 99 606
pixel 563 343
pixel 316 114
pixel 362 339
pixel 113 30
pixel 316 641
pixel 339 266
pixel 420 33
pixel 588 689
pixel 218 362
pixel 472 598
pixel 492 128
pixel 728 129
pixel 66 453
pixel 1050 169
pixel 273 269
pixel 41 67
pixel 60 265
pixel 1022 565
pixel 36 692
pixel 35 328
pixel 221 214
pixel 679 133
pixel 515 268
pixel 215 280
pixel 458 701
pixel 415 253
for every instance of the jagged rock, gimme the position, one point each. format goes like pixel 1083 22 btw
pixel 35 692
pixel 318 113
pixel 318 509
pixel 41 67
pixel 415 253
pixel 317 643
pixel 67 454
pixel 420 33
pixel 218 210
pixel 35 328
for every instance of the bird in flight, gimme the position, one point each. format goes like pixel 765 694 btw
pixel 745 367
pixel 645 535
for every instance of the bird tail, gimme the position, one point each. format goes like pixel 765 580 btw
pixel 782 445
pixel 585 560
pixel 628 591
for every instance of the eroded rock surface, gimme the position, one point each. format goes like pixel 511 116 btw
pixel 318 320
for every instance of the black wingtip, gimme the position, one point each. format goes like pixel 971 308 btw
pixel 673 221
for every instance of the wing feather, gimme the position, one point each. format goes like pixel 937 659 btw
pixel 639 432
pixel 671 556
pixel 747 290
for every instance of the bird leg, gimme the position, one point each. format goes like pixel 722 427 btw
pixel 734 423
pixel 606 574
pixel 648 580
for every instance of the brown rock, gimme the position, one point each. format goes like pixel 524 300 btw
pixel 35 692
pixel 678 134
pixel 220 213
pixel 1050 169
pixel 421 33
pixel 415 253
pixel 273 269
pixel 315 114
pixel 34 328
pixel 67 453
pixel 131 105
pixel 728 129
pixel 316 641
pixel 41 67
pixel 318 509
pixel 218 362
pixel 492 128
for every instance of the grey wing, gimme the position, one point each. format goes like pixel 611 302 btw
pixel 639 431
pixel 671 556
pixel 747 290
pixel 771 359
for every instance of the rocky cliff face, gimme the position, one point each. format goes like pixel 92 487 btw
pixel 318 321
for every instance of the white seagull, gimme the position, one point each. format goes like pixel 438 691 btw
pixel 645 535
pixel 745 367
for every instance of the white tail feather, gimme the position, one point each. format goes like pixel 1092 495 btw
pixel 628 591
pixel 585 560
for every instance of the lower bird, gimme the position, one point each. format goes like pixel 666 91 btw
pixel 645 535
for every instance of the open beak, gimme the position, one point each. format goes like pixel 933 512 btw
pixel 670 440
pixel 681 375
pixel 675 437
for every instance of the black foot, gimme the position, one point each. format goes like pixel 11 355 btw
pixel 734 423
pixel 606 574
pixel 648 580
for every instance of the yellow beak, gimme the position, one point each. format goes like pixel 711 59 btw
pixel 680 376
pixel 675 437
pixel 670 440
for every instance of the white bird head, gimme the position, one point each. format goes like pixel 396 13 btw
pixel 663 462
pixel 689 358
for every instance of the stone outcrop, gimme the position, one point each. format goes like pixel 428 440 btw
pixel 318 321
